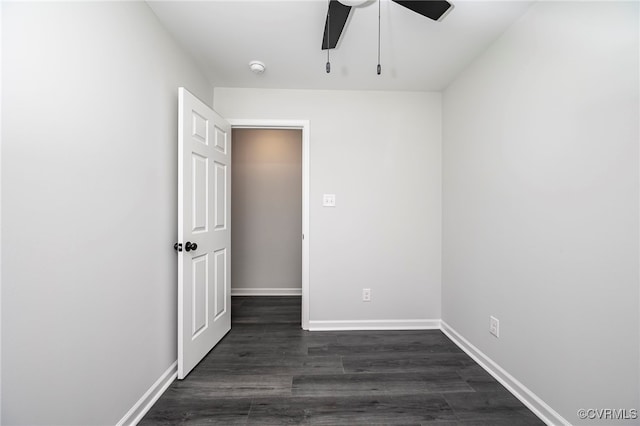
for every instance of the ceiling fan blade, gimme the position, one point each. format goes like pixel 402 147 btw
pixel 334 24
pixel 433 9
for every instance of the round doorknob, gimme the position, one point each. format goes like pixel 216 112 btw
pixel 190 246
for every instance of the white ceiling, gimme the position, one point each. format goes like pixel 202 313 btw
pixel 417 53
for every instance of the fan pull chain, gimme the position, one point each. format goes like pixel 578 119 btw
pixel 379 68
pixel 328 66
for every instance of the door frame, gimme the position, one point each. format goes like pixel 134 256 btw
pixel 303 125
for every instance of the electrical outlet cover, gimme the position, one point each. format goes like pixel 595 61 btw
pixel 494 326
pixel 329 200
pixel 366 295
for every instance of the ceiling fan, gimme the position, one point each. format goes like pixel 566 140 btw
pixel 338 13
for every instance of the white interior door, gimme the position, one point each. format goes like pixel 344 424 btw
pixel 204 230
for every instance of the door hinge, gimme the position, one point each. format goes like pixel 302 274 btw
pixel 177 247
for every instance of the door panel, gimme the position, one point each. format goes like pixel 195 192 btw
pixel 221 277
pixel 221 139
pixel 204 286
pixel 200 184
pixel 199 297
pixel 220 216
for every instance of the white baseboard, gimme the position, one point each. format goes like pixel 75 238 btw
pixel 266 292
pixel 520 391
pixel 424 324
pixel 144 404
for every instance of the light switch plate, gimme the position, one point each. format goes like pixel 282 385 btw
pixel 329 200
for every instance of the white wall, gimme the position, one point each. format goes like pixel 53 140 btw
pixel 379 152
pixel 540 204
pixel 266 211
pixel 1 212
pixel 89 208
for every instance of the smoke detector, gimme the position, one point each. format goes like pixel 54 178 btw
pixel 256 67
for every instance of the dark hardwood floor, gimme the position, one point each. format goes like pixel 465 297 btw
pixel 267 371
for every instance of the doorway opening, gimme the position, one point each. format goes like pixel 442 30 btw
pixel 270 210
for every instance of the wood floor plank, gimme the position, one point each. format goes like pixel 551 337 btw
pixel 352 349
pixel 379 384
pixel 349 410
pixel 274 364
pixel 235 386
pixel 485 406
pixel 402 363
pixel 180 407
